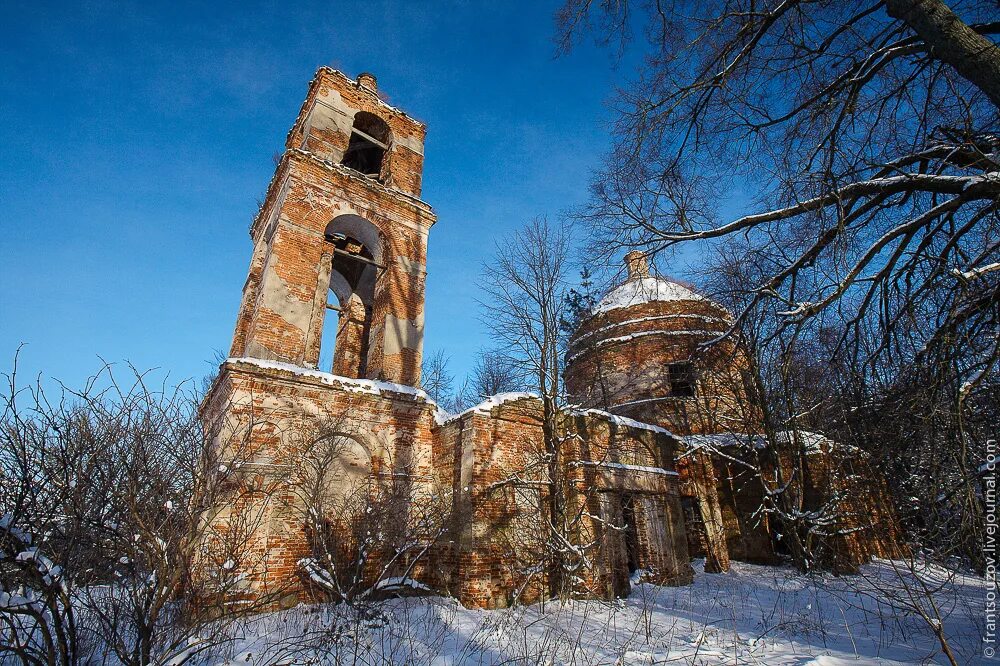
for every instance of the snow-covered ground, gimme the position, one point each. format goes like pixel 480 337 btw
pixel 753 615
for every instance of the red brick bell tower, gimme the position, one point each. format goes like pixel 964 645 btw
pixel 338 273
pixel 342 230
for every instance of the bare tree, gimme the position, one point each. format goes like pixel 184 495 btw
pixel 526 287
pixel 876 127
pixel 465 396
pixel 494 373
pixel 868 136
pixel 435 378
pixel 107 507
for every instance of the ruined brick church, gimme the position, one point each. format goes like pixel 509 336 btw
pixel 655 452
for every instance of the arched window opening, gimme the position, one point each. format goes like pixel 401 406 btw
pixel 356 249
pixel 341 467
pixel 350 351
pixel 369 142
pixel 349 462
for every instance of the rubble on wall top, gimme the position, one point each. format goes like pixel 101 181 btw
pixel 363 83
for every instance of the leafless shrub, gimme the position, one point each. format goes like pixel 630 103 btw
pixel 108 501
pixel 371 525
pixel 436 379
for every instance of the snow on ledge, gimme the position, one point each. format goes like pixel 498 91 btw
pixel 642 334
pixel 641 320
pixel 485 407
pixel 645 290
pixel 371 386
pixel 398 582
pixel 723 440
pixel 618 420
pixel 812 442
pixel 625 467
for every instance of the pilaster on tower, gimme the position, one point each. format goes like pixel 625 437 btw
pixel 341 240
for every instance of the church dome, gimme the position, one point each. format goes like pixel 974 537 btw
pixel 640 345
pixel 644 290
pixel 641 288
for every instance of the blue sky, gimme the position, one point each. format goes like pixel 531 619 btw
pixel 136 139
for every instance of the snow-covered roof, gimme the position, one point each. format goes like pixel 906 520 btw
pixel 723 440
pixel 644 290
pixel 619 420
pixel 486 406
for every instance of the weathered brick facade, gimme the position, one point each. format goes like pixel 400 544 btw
pixel 343 230
pixel 314 197
pixel 642 355
pixel 491 455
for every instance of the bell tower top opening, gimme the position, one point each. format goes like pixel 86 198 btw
pixel 347 121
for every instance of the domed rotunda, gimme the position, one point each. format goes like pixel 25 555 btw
pixel 640 354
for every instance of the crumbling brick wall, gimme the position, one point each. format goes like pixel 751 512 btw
pixel 482 460
pixel 501 490
pixel 741 496
pixel 269 415
pixel 864 524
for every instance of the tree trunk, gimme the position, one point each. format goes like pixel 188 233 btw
pixel 950 40
pixel 555 500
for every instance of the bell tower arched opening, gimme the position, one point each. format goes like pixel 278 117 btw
pixel 356 248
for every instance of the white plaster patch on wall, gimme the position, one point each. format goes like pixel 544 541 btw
pixel 411 142
pixel 279 299
pixel 258 350
pixel 410 266
pixel 402 334
pixel 331 110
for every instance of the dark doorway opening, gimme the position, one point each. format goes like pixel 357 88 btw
pixel 694 526
pixel 631 533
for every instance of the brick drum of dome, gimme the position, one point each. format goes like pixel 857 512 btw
pixel 639 355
